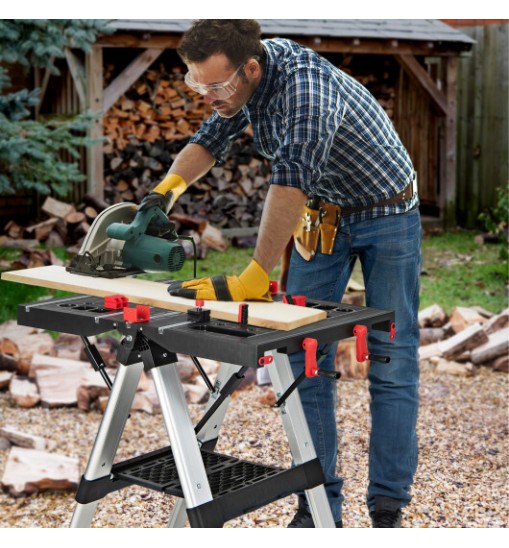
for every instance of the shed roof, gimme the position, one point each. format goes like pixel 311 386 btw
pixel 385 29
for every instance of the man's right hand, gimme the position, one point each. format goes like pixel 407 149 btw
pixel 164 194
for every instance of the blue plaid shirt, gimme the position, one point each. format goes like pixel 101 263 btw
pixel 324 132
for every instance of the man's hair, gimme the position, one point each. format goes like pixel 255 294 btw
pixel 238 39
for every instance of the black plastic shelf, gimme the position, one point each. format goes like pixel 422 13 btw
pixel 237 486
pixel 158 471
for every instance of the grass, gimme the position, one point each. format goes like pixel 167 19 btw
pixel 456 272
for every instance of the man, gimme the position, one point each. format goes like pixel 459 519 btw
pixel 331 145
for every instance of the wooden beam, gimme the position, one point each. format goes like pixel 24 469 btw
pixel 449 184
pixel 77 70
pixel 129 75
pixel 419 74
pixel 166 41
pixel 94 103
pixel 321 44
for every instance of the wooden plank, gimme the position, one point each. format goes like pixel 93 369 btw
pixel 271 315
pixel 129 75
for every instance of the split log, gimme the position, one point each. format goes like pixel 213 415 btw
pixel 428 335
pixel 430 351
pixel 21 343
pixel 42 230
pixel 462 317
pixel 501 364
pixel 432 316
pixel 467 339
pixel 24 392
pixel 498 322
pixel 13 230
pixel 213 238
pixel 16 244
pixel 496 345
pixel 24 439
pixel 56 208
pixel 5 379
pixel 346 361
pixel 59 379
pixel 455 368
pixel 28 471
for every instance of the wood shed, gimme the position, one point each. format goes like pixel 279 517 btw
pixel 411 67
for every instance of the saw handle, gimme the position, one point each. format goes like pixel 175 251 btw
pixel 139 226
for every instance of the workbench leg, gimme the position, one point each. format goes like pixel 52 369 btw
pixel 209 432
pixel 299 437
pixel 108 435
pixel 184 445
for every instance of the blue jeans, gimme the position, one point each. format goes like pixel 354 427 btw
pixel 389 250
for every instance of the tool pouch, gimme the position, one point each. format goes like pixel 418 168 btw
pixel 319 220
pixel 330 216
pixel 307 232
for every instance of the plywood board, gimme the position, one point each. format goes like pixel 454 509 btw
pixel 272 315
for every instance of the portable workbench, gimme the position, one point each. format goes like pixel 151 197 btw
pixel 212 488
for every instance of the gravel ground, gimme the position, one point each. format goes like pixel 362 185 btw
pixel 461 479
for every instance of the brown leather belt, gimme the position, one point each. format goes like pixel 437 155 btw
pixel 404 195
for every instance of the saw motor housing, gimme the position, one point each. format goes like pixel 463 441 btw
pixel 124 241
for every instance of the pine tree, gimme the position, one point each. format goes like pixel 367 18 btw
pixel 30 149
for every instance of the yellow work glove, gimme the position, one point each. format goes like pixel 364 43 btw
pixel 251 285
pixel 164 194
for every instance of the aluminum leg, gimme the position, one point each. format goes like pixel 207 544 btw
pixel 210 431
pixel 299 437
pixel 109 434
pixel 185 448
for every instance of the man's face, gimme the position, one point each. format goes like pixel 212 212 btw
pixel 218 78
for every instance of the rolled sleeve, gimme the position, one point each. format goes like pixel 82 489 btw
pixel 218 134
pixel 312 113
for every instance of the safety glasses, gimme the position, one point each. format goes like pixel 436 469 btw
pixel 216 92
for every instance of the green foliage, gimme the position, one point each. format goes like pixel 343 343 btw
pixel 496 220
pixel 30 150
pixel 38 42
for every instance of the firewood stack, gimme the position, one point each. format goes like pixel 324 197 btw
pixel 457 345
pixel 150 124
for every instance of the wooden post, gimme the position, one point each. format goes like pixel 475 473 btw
pixel 94 91
pixel 449 143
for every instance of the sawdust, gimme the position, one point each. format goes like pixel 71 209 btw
pixel 461 479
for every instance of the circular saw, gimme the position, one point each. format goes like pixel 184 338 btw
pixel 124 241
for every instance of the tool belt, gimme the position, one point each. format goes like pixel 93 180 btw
pixel 320 221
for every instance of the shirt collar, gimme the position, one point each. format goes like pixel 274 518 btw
pixel 264 91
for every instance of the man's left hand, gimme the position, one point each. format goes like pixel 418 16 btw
pixel 251 285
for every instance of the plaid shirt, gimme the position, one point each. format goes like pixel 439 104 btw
pixel 324 132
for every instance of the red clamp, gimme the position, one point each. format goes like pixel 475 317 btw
pixel 361 332
pixel 115 302
pixel 265 360
pixel 298 300
pixel 310 347
pixel 140 313
pixel 273 287
pixel 243 314
pixel 392 335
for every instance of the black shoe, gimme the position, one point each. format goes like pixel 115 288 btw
pixel 387 513
pixel 303 519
